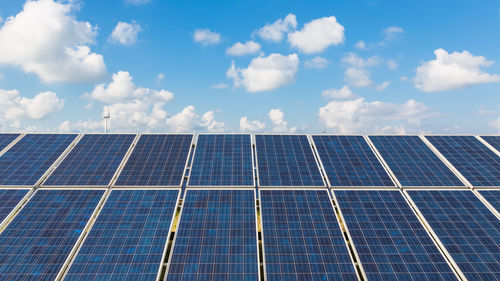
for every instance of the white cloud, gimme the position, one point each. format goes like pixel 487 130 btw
pixel 358 77
pixel 265 73
pixel 484 112
pixel 496 125
pixel 220 86
pixel 342 93
pixel 208 121
pixel 390 33
pixel 125 33
pixel 81 126
pixel 382 86
pixel 278 119
pixel 241 49
pixel 251 126
pixel 453 71
pixel 137 2
pixel 160 76
pixel 357 73
pixel 188 120
pixel 275 31
pixel 317 62
pixel 361 45
pixel 392 65
pixel 206 37
pixel 46 39
pixel 317 35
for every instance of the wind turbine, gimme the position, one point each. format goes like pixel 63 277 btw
pixel 106 120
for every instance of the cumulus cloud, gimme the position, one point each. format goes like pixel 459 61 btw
pixel 125 33
pixel 342 93
pixel 241 49
pixel 278 119
pixel 206 37
pixel 317 35
pixel 358 74
pixel 390 33
pixel 361 45
pixel 453 71
pixel 265 73
pixel 392 65
pixel 495 124
pixel 251 126
pixel 46 39
pixel 317 62
pixel 188 120
pixel 275 31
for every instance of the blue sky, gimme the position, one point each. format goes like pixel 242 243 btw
pixel 343 66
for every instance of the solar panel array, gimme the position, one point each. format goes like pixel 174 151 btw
pixel 476 162
pixel 6 139
pixel 157 160
pixel 413 163
pixel 466 227
pixel 493 141
pixel 222 160
pixel 9 198
pixel 286 160
pixel 349 161
pixel 493 197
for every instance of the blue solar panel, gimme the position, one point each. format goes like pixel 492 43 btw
pixel 157 160
pixel 413 162
pixel 28 160
pixel 349 161
pixel 9 198
pixel 37 242
pixel 6 139
pixel 492 196
pixel 286 160
pixel 476 162
pixel 302 238
pixel 128 239
pixel 390 241
pixel 466 227
pixel 222 160
pixel 92 162
pixel 216 237
pixel 493 141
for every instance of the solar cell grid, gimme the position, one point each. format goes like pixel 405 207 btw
pixel 467 229
pixel 28 160
pixel 493 197
pixel 6 139
pixel 37 242
pixel 390 241
pixel 92 162
pixel 476 162
pixel 216 238
pixel 349 161
pixel 286 160
pixel 493 141
pixel 302 239
pixel 413 163
pixel 9 198
pixel 128 239
pixel 157 160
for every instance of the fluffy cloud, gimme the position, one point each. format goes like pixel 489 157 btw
pixel 361 45
pixel 317 35
pixel 496 125
pixel 357 73
pixel 453 71
pixel 251 126
pixel 317 62
pixel 342 93
pixel 206 37
pixel 241 49
pixel 125 33
pixel 265 73
pixel 392 65
pixel 188 120
pixel 278 119
pixel 46 39
pixel 275 31
pixel 390 33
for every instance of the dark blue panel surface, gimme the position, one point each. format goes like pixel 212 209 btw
pixel 92 162
pixel 302 238
pixel 390 241
pixel 222 160
pixel 413 162
pixel 37 242
pixel 492 196
pixel 216 238
pixel 466 227
pixel 286 160
pixel 493 141
pixel 128 239
pixel 157 160
pixel 476 162
pixel 27 161
pixel 6 139
pixel 349 161
pixel 9 198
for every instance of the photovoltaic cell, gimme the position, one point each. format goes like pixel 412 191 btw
pixel 9 198
pixel 349 161
pixel 216 238
pixel 37 242
pixel 492 196
pixel 157 160
pixel 6 139
pixel 222 160
pixel 128 239
pixel 413 163
pixel 92 162
pixel 466 227
pixel 493 141
pixel 28 160
pixel 476 162
pixel 302 239
pixel 286 160
pixel 390 241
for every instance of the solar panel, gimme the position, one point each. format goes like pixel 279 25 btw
pixel 128 239
pixel 413 163
pixel 349 161
pixel 216 238
pixel 476 162
pixel 493 141
pixel 466 227
pixel 92 162
pixel 493 197
pixel 6 139
pixel 222 160
pixel 286 160
pixel 302 239
pixel 9 198
pixel 157 160
pixel 390 241
pixel 28 160
pixel 37 242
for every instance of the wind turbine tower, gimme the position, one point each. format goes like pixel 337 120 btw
pixel 106 120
